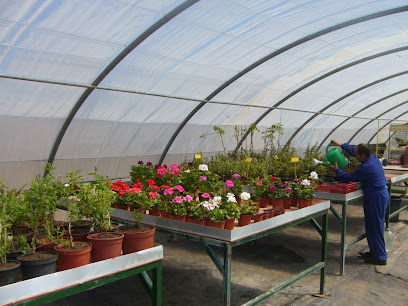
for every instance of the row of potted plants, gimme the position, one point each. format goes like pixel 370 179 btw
pixel 35 209
pixel 193 192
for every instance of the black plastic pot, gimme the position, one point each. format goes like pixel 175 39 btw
pixel 10 275
pixel 35 268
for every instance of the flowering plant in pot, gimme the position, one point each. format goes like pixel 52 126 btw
pixel 179 205
pixel 167 175
pixel 142 172
pixel 138 236
pixel 215 213
pixel 208 181
pixel 231 207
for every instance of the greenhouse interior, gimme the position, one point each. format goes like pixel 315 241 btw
pixel 136 113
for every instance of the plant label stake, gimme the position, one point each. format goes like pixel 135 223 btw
pixel 294 160
pixel 248 161
pixel 197 157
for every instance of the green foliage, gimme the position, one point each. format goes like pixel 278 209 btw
pixel 41 200
pixel 96 198
pixel 248 208
pixel 142 173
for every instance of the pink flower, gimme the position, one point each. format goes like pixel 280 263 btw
pixel 203 178
pixel 168 191
pixel 179 188
pixel 272 188
pixel 236 176
pixel 178 199
pixel 229 184
pixel 259 183
pixel 206 195
pixel 288 189
pixel 188 198
pixel 161 171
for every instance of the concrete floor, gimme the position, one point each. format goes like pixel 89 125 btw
pixel 191 278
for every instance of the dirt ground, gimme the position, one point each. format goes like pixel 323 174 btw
pixel 191 278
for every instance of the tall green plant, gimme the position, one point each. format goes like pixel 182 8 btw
pixel 96 199
pixel 41 199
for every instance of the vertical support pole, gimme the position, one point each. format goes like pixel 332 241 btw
pixel 227 274
pixel 323 257
pixel 157 285
pixel 343 237
pixel 387 215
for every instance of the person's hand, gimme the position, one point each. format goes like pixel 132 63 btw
pixel 334 167
pixel 336 143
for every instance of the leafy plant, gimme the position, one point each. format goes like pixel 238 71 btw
pixel 96 198
pixel 41 199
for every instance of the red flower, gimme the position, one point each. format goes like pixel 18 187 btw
pixel 153 195
pixel 273 178
pixel 135 190
pixel 151 182
pixel 122 192
pixel 138 185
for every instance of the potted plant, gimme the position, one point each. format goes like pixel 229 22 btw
pixel 9 269
pixel 232 211
pixel 247 209
pixel 139 236
pixel 142 172
pixel 305 193
pixel 74 251
pixel 215 213
pixel 41 199
pixel 96 198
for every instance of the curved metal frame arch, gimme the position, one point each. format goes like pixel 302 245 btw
pixel 356 113
pixel 343 97
pixel 270 56
pixel 158 24
pixel 387 124
pixel 376 118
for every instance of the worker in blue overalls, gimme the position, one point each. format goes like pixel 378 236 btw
pixel 376 198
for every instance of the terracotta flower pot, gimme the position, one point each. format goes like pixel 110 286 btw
pixel 244 220
pixel 216 224
pixel 303 203
pixel 200 221
pixel 277 203
pixel 294 202
pixel 104 248
pixel 264 202
pixel 287 203
pixel 69 258
pixel 229 224
pixel 154 211
pixel 257 217
pixel 137 238
pixel 178 218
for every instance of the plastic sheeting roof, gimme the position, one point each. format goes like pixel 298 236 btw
pixel 111 82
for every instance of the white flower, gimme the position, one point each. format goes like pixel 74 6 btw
pixel 187 171
pixel 231 198
pixel 217 199
pixel 305 182
pixel 245 196
pixel 66 185
pixel 203 167
pixel 314 175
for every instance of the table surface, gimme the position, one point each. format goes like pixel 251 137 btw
pixel 237 233
pixel 49 283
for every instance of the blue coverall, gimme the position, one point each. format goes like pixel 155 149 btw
pixel 376 199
